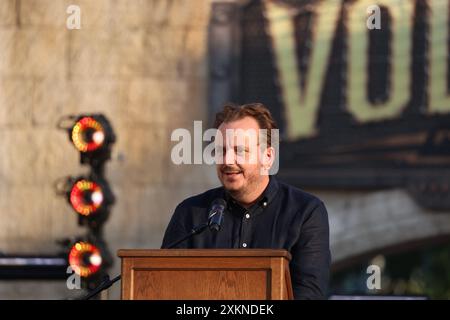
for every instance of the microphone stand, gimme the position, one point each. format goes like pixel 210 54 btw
pixel 102 286
pixel 196 230
pixel 109 282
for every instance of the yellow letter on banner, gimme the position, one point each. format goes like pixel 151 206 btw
pixel 437 84
pixel 301 107
pixel 400 60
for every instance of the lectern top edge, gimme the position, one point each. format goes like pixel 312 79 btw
pixel 204 253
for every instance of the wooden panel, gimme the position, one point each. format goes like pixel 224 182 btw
pixel 288 293
pixel 201 262
pixel 277 284
pixel 205 274
pixel 126 279
pixel 201 284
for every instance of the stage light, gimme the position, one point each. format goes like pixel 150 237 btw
pixel 88 134
pixel 90 197
pixel 86 197
pixel 92 135
pixel 85 259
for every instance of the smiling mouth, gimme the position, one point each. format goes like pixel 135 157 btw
pixel 232 173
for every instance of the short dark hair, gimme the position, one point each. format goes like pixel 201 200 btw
pixel 257 111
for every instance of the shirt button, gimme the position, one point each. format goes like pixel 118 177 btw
pixel 264 204
pixel 247 216
pixel 244 245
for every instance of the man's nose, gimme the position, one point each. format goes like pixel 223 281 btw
pixel 230 156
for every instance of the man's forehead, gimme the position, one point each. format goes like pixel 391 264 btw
pixel 238 132
pixel 237 136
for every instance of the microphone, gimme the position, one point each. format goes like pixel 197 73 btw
pixel 216 214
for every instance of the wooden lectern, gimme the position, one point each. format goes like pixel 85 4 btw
pixel 211 274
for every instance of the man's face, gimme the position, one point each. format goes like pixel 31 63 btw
pixel 239 153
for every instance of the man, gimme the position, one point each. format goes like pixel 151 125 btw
pixel 261 211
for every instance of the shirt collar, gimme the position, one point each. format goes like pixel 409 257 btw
pixel 266 197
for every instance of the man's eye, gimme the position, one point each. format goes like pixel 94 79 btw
pixel 240 151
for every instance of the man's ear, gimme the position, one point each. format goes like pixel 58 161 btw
pixel 268 157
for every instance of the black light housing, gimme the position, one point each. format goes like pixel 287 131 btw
pixel 92 135
pixel 90 197
pixel 89 258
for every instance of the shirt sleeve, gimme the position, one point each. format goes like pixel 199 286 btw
pixel 176 229
pixel 311 256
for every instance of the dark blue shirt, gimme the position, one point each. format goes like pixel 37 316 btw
pixel 284 217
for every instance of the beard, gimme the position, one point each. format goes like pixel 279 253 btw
pixel 238 181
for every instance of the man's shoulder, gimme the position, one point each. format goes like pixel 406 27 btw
pixel 298 195
pixel 304 205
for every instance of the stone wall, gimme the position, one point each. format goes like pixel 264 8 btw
pixel 143 64
pixel 364 222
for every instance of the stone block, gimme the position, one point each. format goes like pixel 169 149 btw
pixel 139 154
pixel 152 101
pixel 106 53
pixel 49 101
pixel 37 157
pixel 8 13
pixel 44 13
pixel 15 102
pixel 33 53
pixel 102 96
pixel 174 53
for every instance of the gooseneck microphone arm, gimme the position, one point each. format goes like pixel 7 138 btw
pixel 196 230
pixel 215 219
pixel 102 286
pixel 109 282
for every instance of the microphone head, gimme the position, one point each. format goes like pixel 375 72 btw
pixel 219 202
pixel 215 216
